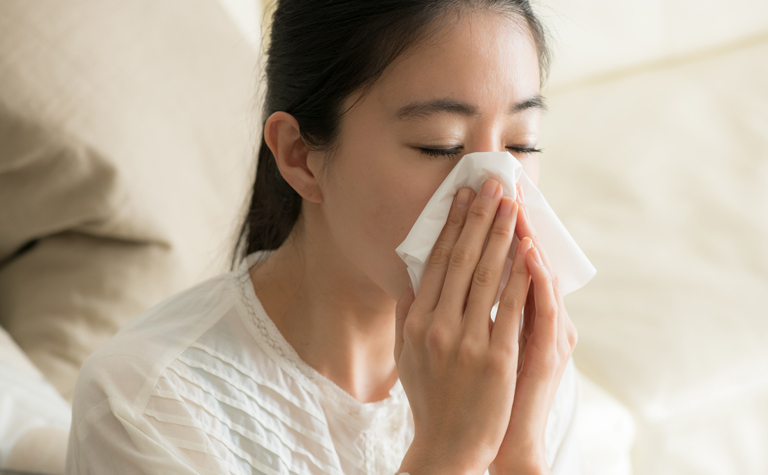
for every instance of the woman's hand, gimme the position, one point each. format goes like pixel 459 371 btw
pixel 457 367
pixel 546 344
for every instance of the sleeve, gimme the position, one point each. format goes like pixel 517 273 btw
pixel 115 431
pixel 113 438
pixel 563 446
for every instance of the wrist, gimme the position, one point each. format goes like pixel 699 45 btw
pixel 428 460
pixel 520 468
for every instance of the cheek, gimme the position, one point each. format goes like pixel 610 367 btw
pixel 531 168
pixel 374 202
pixel 387 199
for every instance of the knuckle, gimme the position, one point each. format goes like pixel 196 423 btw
pixel 439 257
pixel 479 213
pixel 485 276
pixel 509 352
pixel 455 218
pixel 509 302
pixel 573 337
pixel 469 351
pixel 550 362
pixel 500 362
pixel 412 330
pixel 462 257
pixel 519 272
pixel 553 311
pixel 548 278
pixel 544 368
pixel 555 283
pixel 436 339
pixel 502 232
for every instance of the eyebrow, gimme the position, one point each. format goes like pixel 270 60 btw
pixel 426 108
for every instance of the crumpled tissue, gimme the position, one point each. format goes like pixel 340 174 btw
pixel 567 260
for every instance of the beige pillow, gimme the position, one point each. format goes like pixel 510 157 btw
pixel 126 146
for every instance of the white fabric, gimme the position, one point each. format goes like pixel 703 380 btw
pixel 607 429
pixel 33 415
pixel 205 383
pixel 568 261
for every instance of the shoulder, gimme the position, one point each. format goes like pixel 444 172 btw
pixel 129 363
pixel 187 376
pixel 119 384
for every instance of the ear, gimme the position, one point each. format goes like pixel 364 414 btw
pixel 283 137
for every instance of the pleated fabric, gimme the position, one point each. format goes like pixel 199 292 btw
pixel 205 383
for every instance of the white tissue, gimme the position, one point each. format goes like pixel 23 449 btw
pixel 568 261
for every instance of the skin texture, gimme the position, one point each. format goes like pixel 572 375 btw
pixel 333 288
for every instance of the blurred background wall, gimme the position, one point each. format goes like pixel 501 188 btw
pixel 656 159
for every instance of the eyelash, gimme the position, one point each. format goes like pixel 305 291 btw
pixel 450 152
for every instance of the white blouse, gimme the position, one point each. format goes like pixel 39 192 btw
pixel 205 383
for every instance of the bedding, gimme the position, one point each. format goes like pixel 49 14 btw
pixel 662 176
pixel 125 157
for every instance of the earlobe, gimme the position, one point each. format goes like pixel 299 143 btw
pixel 283 137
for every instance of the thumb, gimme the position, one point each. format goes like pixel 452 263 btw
pixel 401 313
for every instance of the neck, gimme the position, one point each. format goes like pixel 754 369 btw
pixel 337 320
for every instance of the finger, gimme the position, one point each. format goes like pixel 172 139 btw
pixel 525 229
pixel 488 273
pixel 509 313
pixel 539 374
pixel 530 311
pixel 525 226
pixel 529 315
pixel 573 334
pixel 532 404
pixel 562 337
pixel 543 338
pixel 401 313
pixel 434 275
pixel 466 253
pixel 566 335
pixel 564 349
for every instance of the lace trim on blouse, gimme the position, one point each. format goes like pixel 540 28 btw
pixel 271 338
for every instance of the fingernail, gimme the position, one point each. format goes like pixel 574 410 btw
pixel 489 187
pixel 520 193
pixel 462 200
pixel 536 256
pixel 505 208
pixel 524 246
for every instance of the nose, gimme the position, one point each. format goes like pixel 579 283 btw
pixel 486 137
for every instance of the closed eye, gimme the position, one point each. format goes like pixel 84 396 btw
pixel 453 151
pixel 441 152
pixel 524 150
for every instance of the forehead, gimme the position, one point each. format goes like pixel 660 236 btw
pixel 487 59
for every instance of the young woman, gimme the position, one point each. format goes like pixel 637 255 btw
pixel 285 365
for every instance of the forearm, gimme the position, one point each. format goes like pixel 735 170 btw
pixel 431 460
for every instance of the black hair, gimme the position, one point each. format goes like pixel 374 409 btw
pixel 321 52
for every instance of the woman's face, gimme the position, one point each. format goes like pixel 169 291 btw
pixel 473 88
